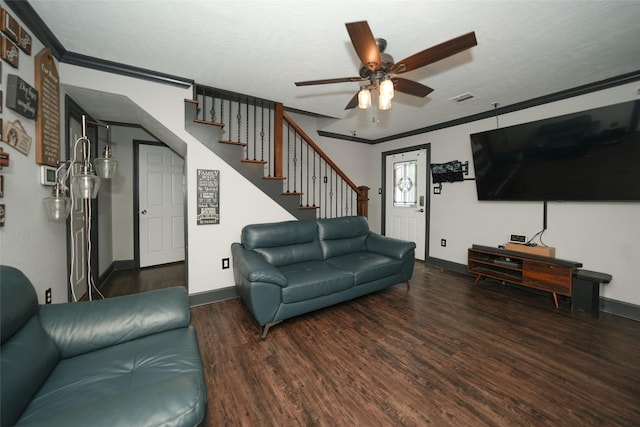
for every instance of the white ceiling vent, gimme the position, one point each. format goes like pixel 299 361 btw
pixel 465 97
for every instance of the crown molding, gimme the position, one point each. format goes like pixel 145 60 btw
pixel 25 12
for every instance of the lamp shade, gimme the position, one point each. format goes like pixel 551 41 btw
pixel 364 99
pixel 384 103
pixel 85 185
pixel 105 167
pixel 386 89
pixel 58 206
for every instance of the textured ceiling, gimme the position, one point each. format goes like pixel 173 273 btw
pixel 526 49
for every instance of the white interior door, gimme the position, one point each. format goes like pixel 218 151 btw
pixel 405 198
pixel 161 205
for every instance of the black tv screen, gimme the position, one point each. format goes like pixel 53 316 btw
pixel 591 155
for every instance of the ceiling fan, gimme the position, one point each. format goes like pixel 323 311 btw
pixel 379 69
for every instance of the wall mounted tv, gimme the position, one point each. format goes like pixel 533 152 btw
pixel 591 155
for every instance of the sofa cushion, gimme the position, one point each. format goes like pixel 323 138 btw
pixel 283 243
pixel 343 235
pixel 367 266
pixel 151 381
pixel 310 280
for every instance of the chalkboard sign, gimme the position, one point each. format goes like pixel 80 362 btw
pixel 21 97
pixel 208 192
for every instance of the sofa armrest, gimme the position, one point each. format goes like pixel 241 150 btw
pixel 81 327
pixel 389 246
pixel 250 266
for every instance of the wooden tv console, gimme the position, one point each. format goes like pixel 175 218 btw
pixel 547 274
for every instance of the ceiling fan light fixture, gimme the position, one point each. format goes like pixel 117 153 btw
pixel 386 88
pixel 364 98
pixel 384 103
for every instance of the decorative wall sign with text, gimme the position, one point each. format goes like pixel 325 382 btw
pixel 21 97
pixel 208 192
pixel 48 119
pixel 15 135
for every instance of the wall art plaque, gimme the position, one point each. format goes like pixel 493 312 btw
pixel 208 201
pixel 8 25
pixel 9 52
pixel 48 119
pixel 24 41
pixel 16 136
pixel 21 97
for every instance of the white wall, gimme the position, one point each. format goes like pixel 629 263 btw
pixel 602 236
pixel 28 241
pixel 162 113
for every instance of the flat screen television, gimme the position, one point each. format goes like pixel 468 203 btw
pixel 591 155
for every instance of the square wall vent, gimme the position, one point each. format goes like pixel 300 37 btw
pixel 465 97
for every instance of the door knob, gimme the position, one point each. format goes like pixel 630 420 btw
pixel 420 210
pixel 144 212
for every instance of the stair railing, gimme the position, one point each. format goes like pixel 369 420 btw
pixel 271 137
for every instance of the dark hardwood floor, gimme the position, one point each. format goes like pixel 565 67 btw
pixel 440 353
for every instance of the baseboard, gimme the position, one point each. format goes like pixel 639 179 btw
pixel 215 295
pixel 620 308
pixel 447 265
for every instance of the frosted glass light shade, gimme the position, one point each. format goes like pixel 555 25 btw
pixel 364 99
pixel 85 186
pixel 57 208
pixel 386 89
pixel 105 167
pixel 384 103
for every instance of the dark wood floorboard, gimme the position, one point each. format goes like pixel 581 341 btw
pixel 125 282
pixel 442 353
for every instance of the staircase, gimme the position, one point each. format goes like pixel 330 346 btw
pixel 263 143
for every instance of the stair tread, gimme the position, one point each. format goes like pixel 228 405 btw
pixel 309 207
pixel 226 141
pixel 264 162
pixel 274 177
pixel 207 122
pixel 292 193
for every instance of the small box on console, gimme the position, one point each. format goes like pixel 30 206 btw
pixel 546 251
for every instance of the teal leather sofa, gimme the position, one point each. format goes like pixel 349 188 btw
pixel 125 361
pixel 285 269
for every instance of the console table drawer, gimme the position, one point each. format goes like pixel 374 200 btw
pixel 548 277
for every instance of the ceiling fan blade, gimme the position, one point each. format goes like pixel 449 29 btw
pixel 435 53
pixel 328 81
pixel 365 44
pixel 410 87
pixel 353 103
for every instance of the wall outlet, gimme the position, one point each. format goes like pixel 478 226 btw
pixel 443 242
pixel 225 263
pixel 47 296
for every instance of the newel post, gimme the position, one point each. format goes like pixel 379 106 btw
pixel 363 200
pixel 278 120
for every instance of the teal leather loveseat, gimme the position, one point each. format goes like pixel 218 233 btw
pixel 125 361
pixel 285 269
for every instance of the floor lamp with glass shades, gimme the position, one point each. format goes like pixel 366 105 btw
pixel 79 183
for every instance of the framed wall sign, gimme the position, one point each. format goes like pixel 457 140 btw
pixel 15 135
pixel 24 41
pixel 208 193
pixel 47 84
pixel 21 97
pixel 9 52
pixel 8 25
